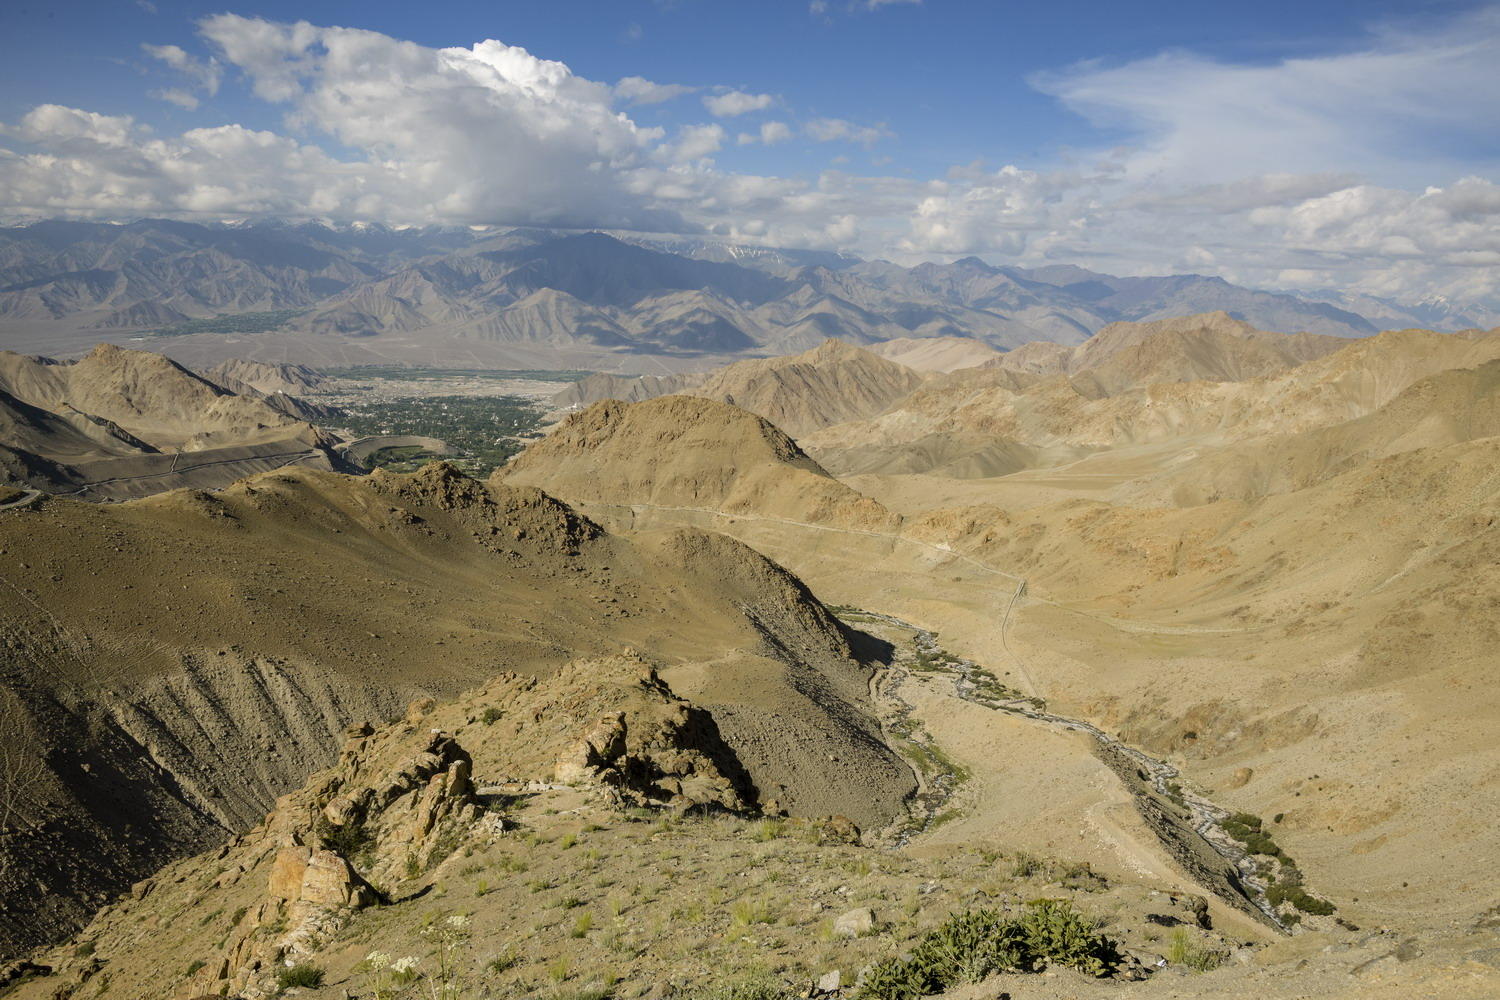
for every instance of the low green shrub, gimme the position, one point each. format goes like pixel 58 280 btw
pixel 1300 898
pixel 1184 951
pixel 302 974
pixel 968 947
pixel 348 840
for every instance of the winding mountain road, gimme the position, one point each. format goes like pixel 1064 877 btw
pixel 27 498
pixel 286 458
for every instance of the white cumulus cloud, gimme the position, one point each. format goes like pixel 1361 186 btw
pixel 204 73
pixel 639 90
pixel 839 130
pixel 736 102
pixel 1371 169
pixel 770 134
pixel 694 142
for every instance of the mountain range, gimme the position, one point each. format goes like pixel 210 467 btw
pixel 308 292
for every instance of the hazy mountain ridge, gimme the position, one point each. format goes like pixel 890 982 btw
pixel 593 292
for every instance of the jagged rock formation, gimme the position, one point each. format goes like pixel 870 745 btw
pixel 383 822
pixel 395 805
pixel 656 750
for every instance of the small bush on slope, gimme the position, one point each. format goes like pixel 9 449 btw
pixel 309 976
pixel 971 946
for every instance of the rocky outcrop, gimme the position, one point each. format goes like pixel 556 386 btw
pixel 400 802
pixel 662 751
pixel 372 828
pixel 365 822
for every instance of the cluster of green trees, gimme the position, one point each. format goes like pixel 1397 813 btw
pixel 481 430
pixel 1247 828
pixel 417 374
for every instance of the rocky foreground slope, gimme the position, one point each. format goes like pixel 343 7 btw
pixel 592 834
pixel 591 827
pixel 171 665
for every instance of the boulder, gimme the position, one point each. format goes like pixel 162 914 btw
pixel 287 872
pixel 329 881
pixel 855 923
pixel 300 874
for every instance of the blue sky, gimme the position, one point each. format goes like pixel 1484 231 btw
pixel 1286 144
pixel 950 79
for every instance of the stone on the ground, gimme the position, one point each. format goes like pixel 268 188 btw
pixel 855 923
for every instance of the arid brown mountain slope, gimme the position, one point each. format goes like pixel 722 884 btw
pixel 1286 584
pixel 1213 347
pixel 1046 420
pixel 600 385
pixel 682 451
pixel 173 664
pixel 239 375
pixel 121 423
pixel 838 383
pixel 832 383
pixel 1448 408
pixel 145 394
pixel 935 354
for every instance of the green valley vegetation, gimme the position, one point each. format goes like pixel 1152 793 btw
pixel 250 322
pixel 405 374
pixel 482 431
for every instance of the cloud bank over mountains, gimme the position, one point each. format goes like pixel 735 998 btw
pixel 1367 170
